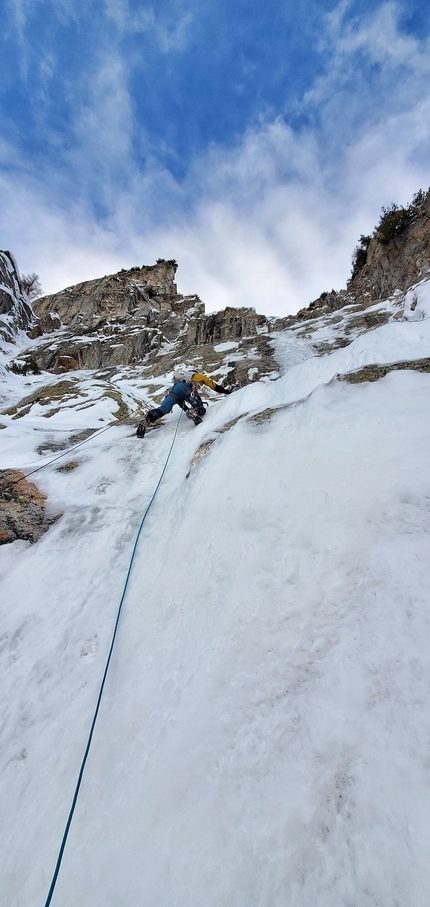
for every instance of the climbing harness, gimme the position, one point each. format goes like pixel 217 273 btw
pixel 96 711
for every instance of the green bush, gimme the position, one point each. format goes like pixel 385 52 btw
pixel 359 257
pixel 393 221
pixel 29 366
pixel 396 218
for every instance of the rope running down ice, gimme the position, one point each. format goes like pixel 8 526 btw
pixel 95 434
pixel 96 711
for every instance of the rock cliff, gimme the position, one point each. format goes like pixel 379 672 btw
pixel 15 309
pixel 95 303
pixel 398 256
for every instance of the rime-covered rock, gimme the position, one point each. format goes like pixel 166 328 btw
pixel 16 313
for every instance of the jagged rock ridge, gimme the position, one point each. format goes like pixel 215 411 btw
pixel 95 303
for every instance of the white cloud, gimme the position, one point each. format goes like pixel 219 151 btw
pixel 278 246
pixel 18 11
pixel 63 10
pixel 170 31
pixel 63 245
pixel 378 36
pixel 102 129
pixel 372 62
pixel 127 20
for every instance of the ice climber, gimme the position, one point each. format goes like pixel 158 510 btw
pixel 185 393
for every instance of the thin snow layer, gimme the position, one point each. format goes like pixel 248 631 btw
pixel 394 342
pixel 228 345
pixel 263 737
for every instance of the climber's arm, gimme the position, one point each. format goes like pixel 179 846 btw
pixel 202 379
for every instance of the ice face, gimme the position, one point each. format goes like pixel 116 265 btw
pixel 262 740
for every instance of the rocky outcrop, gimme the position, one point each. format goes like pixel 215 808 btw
pixel 22 508
pixel 159 340
pixel 230 324
pixel 15 310
pixel 398 262
pixel 388 263
pixel 96 303
pixel 44 325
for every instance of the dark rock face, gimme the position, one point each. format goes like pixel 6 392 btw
pixel 230 324
pixel 22 508
pixel 16 313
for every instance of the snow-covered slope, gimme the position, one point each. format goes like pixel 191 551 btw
pixel 263 737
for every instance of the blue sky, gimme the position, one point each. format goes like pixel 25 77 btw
pixel 252 142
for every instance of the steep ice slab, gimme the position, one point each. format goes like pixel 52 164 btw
pixel 263 739
pixel 290 350
pixel 396 341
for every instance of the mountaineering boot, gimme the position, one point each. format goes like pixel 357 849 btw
pixel 191 414
pixel 141 428
pixel 144 423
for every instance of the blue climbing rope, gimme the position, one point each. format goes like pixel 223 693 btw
pixel 96 711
